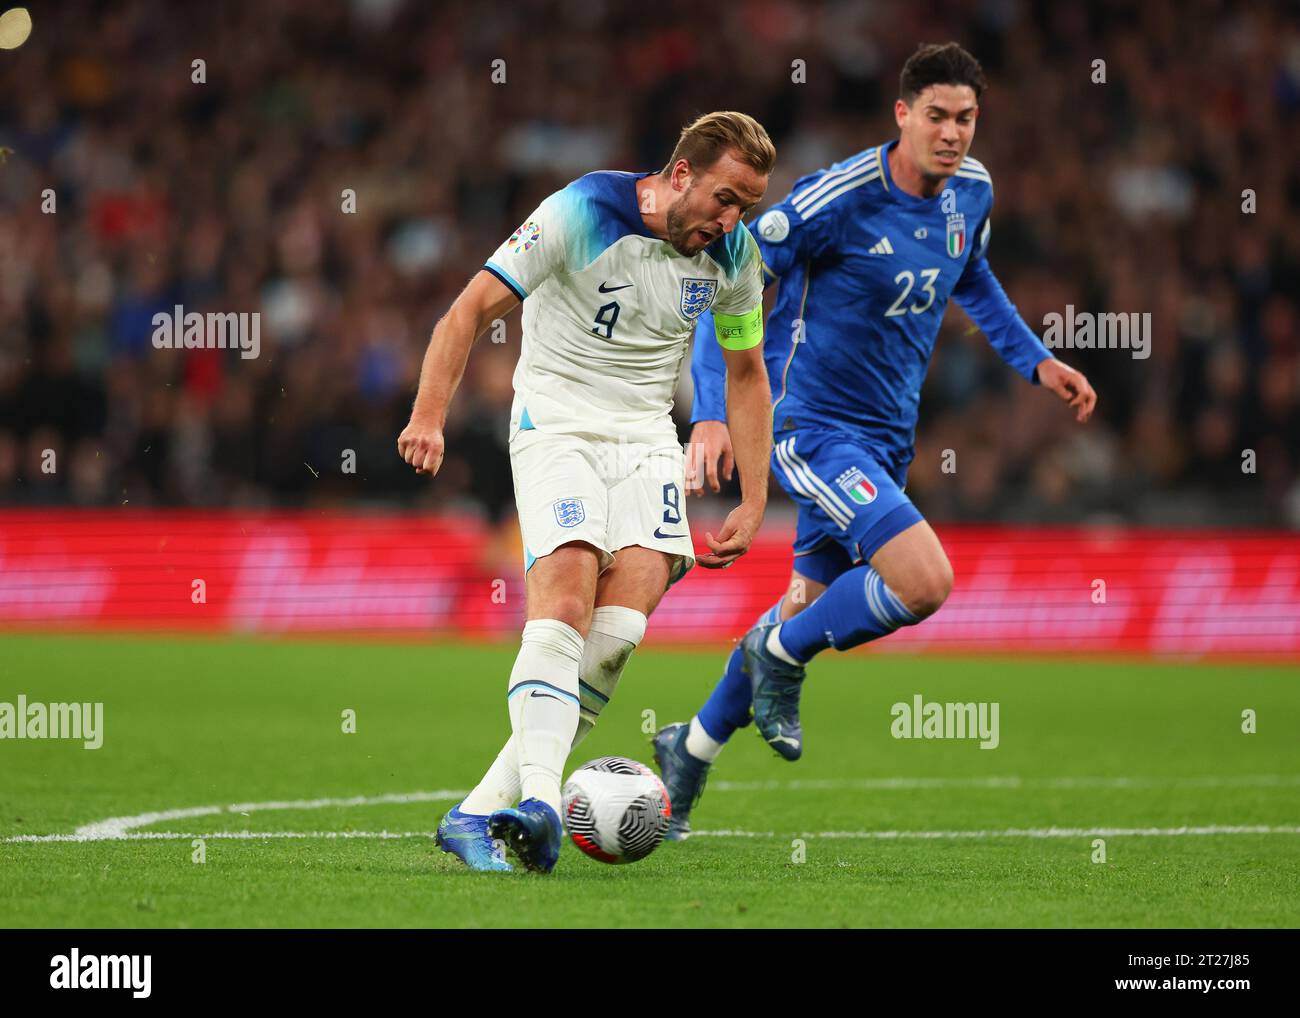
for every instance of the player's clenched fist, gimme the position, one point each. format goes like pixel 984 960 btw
pixel 421 445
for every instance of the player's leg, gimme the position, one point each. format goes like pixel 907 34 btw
pixel 906 580
pixel 542 704
pixel 685 751
pixel 866 514
pixel 543 698
pixel 648 525
pixel 544 692
pixel 865 511
pixel 629 591
pixel 626 594
pixel 818 560
pixel 563 516
pixel 802 592
pixel 728 706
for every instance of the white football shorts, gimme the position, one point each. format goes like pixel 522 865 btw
pixel 609 494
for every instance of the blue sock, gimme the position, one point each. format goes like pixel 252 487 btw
pixel 856 608
pixel 727 707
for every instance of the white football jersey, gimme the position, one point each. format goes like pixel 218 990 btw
pixel 609 309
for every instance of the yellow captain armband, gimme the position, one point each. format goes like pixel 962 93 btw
pixel 739 332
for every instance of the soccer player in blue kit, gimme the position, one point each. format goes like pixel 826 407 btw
pixel 868 253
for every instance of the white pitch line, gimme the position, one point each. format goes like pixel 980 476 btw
pixel 1018 832
pixel 116 828
pixel 1014 832
pixel 228 835
pixel 1010 781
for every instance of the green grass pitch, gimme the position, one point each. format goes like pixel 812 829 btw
pixel 1008 833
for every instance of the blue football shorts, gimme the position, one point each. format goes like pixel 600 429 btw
pixel 849 505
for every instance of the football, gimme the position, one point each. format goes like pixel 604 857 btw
pixel 615 809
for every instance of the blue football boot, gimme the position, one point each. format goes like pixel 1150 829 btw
pixel 531 831
pixel 465 836
pixel 776 685
pixel 683 776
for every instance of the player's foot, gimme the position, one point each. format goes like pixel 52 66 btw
pixel 465 836
pixel 776 685
pixel 683 776
pixel 531 832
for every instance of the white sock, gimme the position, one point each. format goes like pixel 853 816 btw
pixel 615 633
pixel 774 646
pixel 700 744
pixel 543 702
pixel 499 787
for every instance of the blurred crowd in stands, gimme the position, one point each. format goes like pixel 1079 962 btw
pixel 1170 187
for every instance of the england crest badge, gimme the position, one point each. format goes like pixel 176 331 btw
pixel 697 295
pixel 569 512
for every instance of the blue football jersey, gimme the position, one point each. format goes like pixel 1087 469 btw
pixel 866 274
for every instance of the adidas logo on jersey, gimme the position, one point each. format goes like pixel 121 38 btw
pixel 883 246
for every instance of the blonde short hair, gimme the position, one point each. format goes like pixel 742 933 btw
pixel 704 141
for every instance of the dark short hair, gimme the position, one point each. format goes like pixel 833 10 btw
pixel 939 64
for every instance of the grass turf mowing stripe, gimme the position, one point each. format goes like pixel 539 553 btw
pixel 1042 832
pixel 1126 745
pixel 115 828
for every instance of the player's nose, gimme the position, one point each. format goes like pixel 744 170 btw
pixel 729 220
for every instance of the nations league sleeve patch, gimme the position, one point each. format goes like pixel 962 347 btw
pixel 774 226
pixel 524 237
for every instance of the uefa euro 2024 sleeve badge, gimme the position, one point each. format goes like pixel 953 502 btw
pixel 525 237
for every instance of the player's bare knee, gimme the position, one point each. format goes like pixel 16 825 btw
pixel 570 608
pixel 925 593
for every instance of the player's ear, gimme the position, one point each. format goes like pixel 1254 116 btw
pixel 900 112
pixel 680 177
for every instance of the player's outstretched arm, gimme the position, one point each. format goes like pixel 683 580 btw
pixel 981 296
pixel 485 298
pixel 749 408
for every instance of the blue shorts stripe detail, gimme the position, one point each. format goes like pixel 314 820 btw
pixel 817 481
pixel 506 278
pixel 539 684
pixel 834 532
pixel 800 483
pixel 526 422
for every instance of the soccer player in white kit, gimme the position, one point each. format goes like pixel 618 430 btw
pixel 613 270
